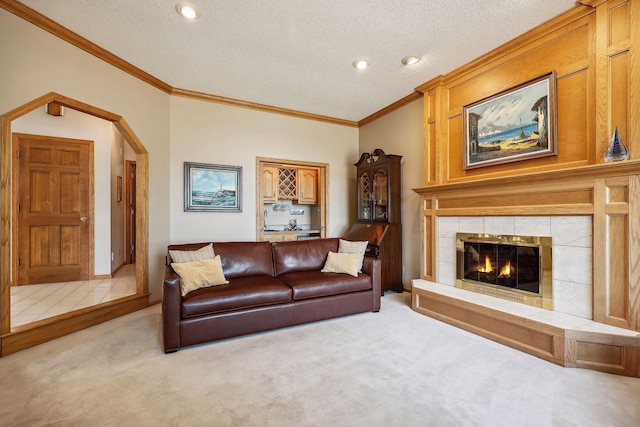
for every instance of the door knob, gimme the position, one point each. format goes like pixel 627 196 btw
pixel 83 218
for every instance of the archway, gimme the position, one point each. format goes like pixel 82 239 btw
pixel 39 332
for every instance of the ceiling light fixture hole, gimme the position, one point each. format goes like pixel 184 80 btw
pixel 361 64
pixel 411 60
pixel 188 10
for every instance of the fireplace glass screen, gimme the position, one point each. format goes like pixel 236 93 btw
pixel 511 266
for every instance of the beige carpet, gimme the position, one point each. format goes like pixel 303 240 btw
pixel 393 368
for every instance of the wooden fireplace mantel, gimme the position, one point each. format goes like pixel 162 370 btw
pixel 558 192
pixel 609 193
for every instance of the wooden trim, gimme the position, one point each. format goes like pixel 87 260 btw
pixel 42 331
pixel 6 229
pixel 602 351
pixel 592 3
pixel 6 233
pixel 634 249
pixel 390 108
pixel 261 107
pixel 544 178
pixel 142 223
pixel 55 109
pixel 130 167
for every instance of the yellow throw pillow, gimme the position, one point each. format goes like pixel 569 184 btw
pixel 200 274
pixel 349 246
pixel 204 252
pixel 342 263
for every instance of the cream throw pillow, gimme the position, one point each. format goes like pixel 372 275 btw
pixel 199 274
pixel 342 263
pixel 347 246
pixel 205 252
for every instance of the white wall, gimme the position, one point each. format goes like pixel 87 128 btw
pixel 35 63
pixel 401 132
pixel 76 125
pixel 206 132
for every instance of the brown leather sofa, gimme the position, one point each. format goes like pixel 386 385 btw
pixel 271 285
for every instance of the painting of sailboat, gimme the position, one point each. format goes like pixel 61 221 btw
pixel 516 124
pixel 212 187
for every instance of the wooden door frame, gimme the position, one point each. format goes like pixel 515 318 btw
pixel 46 330
pixel 15 188
pixel 127 212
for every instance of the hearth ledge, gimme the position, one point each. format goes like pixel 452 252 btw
pixel 565 340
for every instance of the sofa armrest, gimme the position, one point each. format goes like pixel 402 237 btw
pixel 373 267
pixel 171 307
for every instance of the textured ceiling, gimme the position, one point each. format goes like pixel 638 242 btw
pixel 298 54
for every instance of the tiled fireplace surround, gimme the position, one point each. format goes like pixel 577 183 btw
pixel 572 254
pixel 592 214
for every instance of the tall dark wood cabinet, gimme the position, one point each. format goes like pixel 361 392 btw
pixel 379 216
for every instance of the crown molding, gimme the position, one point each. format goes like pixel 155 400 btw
pixel 261 107
pixel 388 109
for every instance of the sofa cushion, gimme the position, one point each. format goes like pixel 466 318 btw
pixel 350 247
pixel 204 252
pixel 302 255
pixel 199 274
pixel 245 258
pixel 238 294
pixel 313 284
pixel 342 263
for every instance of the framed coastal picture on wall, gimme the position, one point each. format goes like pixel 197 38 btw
pixel 209 187
pixel 516 124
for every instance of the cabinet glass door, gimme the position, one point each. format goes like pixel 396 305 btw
pixel 364 196
pixel 380 194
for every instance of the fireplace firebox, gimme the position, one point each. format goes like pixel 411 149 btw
pixel 517 268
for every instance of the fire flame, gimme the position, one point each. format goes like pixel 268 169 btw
pixel 487 266
pixel 505 271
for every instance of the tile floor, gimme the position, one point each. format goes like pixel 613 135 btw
pixel 36 302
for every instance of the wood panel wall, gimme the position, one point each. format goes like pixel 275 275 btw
pixel 591 49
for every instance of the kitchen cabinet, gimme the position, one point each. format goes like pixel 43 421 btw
pixel 270 184
pixel 307 186
pixel 287 183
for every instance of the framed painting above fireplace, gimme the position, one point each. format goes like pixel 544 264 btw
pixel 516 124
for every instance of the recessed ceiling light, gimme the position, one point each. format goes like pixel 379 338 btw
pixel 361 64
pixel 188 10
pixel 411 60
